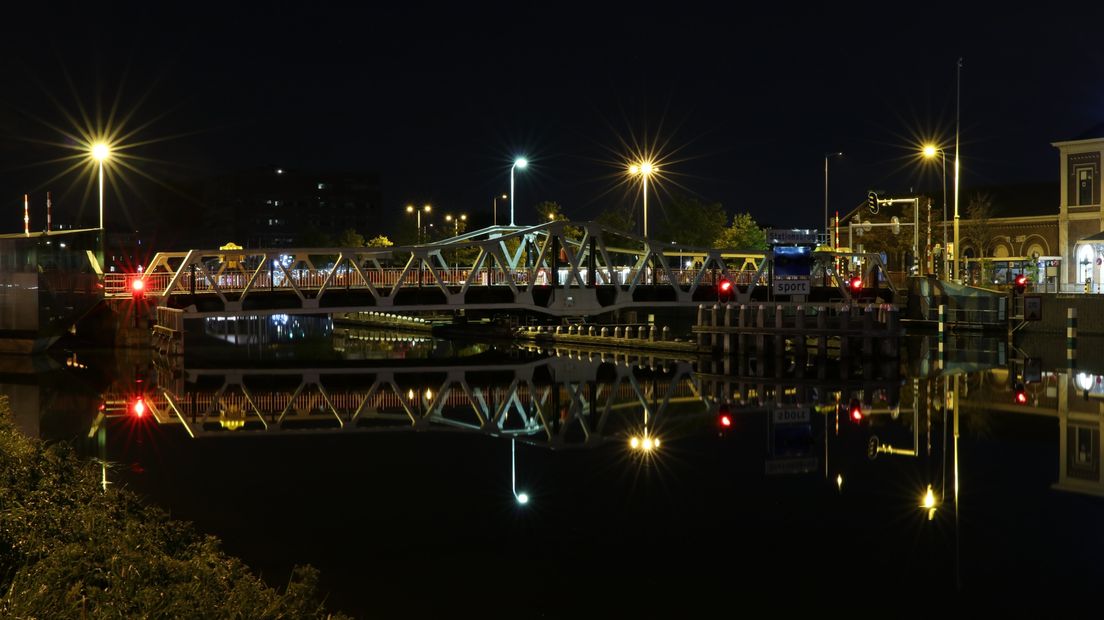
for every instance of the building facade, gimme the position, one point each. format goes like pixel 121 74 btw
pixel 1080 215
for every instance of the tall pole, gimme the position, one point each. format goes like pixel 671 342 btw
pixel 101 194
pixel 494 209
pixel 946 262
pixel 826 204
pixel 512 193
pixel 958 112
pixel 826 156
pixel 645 178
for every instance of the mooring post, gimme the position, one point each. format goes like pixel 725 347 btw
pixel 822 332
pixel 1071 337
pixel 868 331
pixel 845 324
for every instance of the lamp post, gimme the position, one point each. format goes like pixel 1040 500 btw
pixel 958 109
pixel 463 217
pixel 519 163
pixel 826 231
pixel 645 170
pixel 418 213
pixel 929 152
pixel 494 208
pixel 100 152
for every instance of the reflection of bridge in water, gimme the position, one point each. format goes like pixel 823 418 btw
pixel 559 401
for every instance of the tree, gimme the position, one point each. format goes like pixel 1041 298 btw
pixel 379 241
pixel 690 221
pixel 550 211
pixel 743 234
pixel 979 229
pixel 617 218
pixel 350 238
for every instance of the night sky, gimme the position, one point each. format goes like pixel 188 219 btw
pixel 740 105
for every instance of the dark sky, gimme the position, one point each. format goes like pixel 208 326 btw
pixel 742 102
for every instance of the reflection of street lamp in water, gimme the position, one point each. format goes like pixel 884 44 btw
pixel 523 497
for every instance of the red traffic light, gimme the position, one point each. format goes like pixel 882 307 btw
pixel 1020 283
pixel 138 408
pixel 725 420
pixel 1019 394
pixel 137 285
pixel 856 284
pixel 854 411
pixel 725 286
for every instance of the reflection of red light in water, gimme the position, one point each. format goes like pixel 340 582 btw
pixel 726 420
pixel 856 414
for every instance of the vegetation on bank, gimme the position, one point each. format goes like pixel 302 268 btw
pixel 69 549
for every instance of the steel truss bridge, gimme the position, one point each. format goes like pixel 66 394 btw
pixel 557 268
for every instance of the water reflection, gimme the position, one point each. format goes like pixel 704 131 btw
pixel 913 448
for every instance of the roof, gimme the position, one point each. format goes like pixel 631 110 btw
pixel 1098 237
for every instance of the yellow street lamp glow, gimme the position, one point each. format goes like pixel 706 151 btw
pixel 428 393
pixel 409 208
pixel 634 443
pixel 645 170
pixel 100 151
pixel 929 499
pixel 929 151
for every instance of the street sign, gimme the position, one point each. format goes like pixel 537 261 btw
pixel 797 286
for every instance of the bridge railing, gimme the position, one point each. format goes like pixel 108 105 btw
pixel 119 284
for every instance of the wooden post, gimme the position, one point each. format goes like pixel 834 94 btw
pixel 1071 337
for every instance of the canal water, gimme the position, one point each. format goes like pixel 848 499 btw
pixel 426 477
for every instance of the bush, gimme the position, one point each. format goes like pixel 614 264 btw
pixel 69 549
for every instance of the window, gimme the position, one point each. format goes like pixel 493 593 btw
pixel 1085 185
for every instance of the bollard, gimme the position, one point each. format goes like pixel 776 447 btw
pixel 715 336
pixel 666 333
pixel 728 336
pixel 617 332
pixel 822 331
pixel 942 328
pixel 1071 337
pixel 605 331
pixel 893 330
pixel 845 324
pixel 868 331
pixel 701 335
pixel 629 331
pixel 651 332
pixel 592 331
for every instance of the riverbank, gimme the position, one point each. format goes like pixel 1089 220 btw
pixel 71 548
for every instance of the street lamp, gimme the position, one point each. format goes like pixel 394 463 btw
pixel 494 207
pixel 463 217
pixel 418 213
pixel 826 231
pixel 929 151
pixel 645 170
pixel 100 152
pixel 523 497
pixel 521 163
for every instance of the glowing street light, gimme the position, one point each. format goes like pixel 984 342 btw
pixel 645 170
pixel 418 212
pixel 930 151
pixel 519 163
pixel 523 497
pixel 928 503
pixel 100 152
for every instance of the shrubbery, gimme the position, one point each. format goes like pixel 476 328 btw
pixel 69 549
